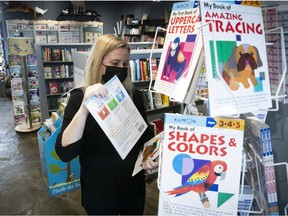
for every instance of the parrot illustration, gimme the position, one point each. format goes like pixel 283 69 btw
pixel 150 150
pixel 202 180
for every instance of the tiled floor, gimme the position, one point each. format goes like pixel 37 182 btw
pixel 23 189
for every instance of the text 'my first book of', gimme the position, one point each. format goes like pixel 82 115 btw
pixel 200 165
pixel 181 51
pixel 237 69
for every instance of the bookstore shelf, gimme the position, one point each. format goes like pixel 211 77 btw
pixel 52 31
pixel 56 77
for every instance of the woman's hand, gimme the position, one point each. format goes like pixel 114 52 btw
pixel 150 164
pixel 97 89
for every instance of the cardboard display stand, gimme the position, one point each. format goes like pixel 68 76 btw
pixel 61 177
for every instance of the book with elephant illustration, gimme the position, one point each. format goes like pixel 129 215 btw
pixel 181 51
pixel 200 167
pixel 236 58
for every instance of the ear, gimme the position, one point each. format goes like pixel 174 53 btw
pixel 231 63
pixel 259 61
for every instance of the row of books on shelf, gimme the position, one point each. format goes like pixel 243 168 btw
pixel 154 100
pixel 46 38
pixel 261 172
pixel 59 87
pixel 58 71
pixel 141 69
pixel 59 54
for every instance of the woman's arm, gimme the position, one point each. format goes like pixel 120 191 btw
pixel 70 140
pixel 74 130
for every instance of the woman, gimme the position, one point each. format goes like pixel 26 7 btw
pixel 106 180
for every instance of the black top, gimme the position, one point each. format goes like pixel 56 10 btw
pixel 103 172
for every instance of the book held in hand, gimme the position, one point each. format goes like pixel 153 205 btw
pixel 150 148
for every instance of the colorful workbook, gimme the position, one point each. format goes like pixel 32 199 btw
pixel 181 52
pixel 235 57
pixel 118 117
pixel 200 165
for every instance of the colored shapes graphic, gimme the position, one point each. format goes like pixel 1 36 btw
pixel 183 164
pixel 103 113
pixel 112 104
pixel 223 197
pixel 120 96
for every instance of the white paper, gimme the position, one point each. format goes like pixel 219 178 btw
pixel 118 116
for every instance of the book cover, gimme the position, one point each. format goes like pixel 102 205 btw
pixel 20 119
pixel 150 148
pixel 47 71
pixel 68 55
pixel 32 71
pixel 51 39
pixel 16 84
pixel 33 83
pixel 15 71
pixel 34 95
pixel 14 59
pixel 41 39
pixel 31 59
pixel 236 58
pixel 19 107
pixel 36 117
pixel 200 165
pixel 35 106
pixel 118 116
pixel 17 95
pixel 56 55
pixel 54 87
pixel 181 51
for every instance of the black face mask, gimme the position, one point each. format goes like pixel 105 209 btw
pixel 111 71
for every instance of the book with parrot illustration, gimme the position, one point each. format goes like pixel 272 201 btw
pixel 200 165
pixel 235 58
pixel 150 148
pixel 181 51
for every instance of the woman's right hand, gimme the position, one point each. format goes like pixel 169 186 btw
pixel 97 89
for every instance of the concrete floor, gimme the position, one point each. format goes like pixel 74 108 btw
pixel 23 190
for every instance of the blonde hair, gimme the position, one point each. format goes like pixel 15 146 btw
pixel 100 49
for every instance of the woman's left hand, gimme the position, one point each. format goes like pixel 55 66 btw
pixel 150 164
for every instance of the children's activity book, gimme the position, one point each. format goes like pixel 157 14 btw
pixel 150 148
pixel 118 117
pixel 236 58
pixel 200 165
pixel 181 51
